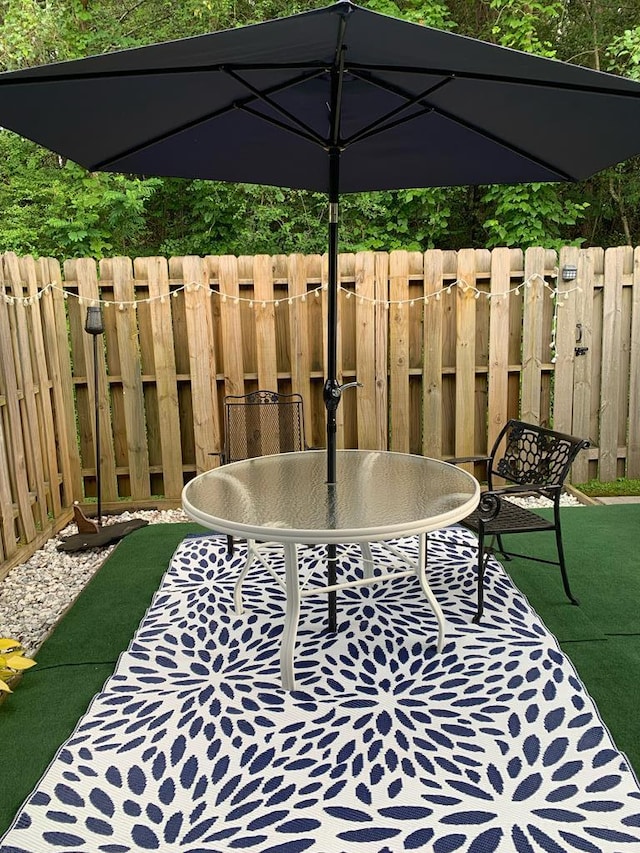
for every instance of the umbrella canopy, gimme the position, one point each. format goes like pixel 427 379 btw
pixel 405 105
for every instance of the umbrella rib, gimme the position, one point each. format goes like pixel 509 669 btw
pixel 302 134
pixel 76 76
pixel 521 152
pixel 396 90
pixel 502 78
pixel 235 105
pixel 308 132
pixel 337 83
pixel 372 128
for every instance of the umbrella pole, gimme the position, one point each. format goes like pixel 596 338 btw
pixel 332 390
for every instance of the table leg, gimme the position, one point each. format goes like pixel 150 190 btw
pixel 367 559
pixel 420 569
pixel 292 616
pixel 237 589
pixel 332 615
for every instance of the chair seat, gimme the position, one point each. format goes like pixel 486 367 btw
pixel 511 518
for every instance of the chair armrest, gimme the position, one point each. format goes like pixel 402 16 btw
pixel 491 501
pixel 459 459
pixel 528 489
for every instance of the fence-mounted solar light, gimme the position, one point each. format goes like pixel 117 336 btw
pixel 569 272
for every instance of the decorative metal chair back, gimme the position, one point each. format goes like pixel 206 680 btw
pixel 533 455
pixel 263 423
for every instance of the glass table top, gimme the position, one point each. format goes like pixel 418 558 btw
pixel 378 495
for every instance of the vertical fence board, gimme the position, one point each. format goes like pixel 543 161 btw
pixel 399 350
pixel 231 326
pixel 432 356
pixel 299 335
pixel 366 350
pixel 67 449
pixel 347 351
pixel 611 342
pixel 565 340
pixel 633 450
pixel 265 323
pixel 581 420
pixel 532 334
pixel 465 353
pixel 624 363
pixel 8 545
pixel 155 272
pixel 498 400
pixel 201 360
pixel 135 427
pixel 66 398
pixel 596 361
pixel 481 351
pixel 382 349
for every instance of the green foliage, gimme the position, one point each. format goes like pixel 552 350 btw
pixel 204 217
pixel 522 25
pixel 29 31
pixel 429 13
pixel 53 207
pixel 530 215
pixel 624 53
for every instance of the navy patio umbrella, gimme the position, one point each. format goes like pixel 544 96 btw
pixel 337 100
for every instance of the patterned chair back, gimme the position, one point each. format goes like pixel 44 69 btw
pixel 263 423
pixel 533 455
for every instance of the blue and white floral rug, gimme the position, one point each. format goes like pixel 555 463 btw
pixel 384 747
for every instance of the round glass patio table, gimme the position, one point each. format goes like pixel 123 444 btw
pixel 378 496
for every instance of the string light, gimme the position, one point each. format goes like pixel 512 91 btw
pixel 189 287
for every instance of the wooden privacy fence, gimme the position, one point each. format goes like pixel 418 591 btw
pixel 447 345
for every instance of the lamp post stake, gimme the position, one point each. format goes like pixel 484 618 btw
pixel 94 326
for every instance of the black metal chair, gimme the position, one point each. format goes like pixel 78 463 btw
pixel 259 424
pixel 262 423
pixel 537 461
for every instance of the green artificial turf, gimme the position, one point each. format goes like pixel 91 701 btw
pixel 602 550
pixel 602 636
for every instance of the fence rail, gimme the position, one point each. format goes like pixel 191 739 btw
pixel 447 345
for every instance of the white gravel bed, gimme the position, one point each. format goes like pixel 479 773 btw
pixel 539 503
pixel 34 595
